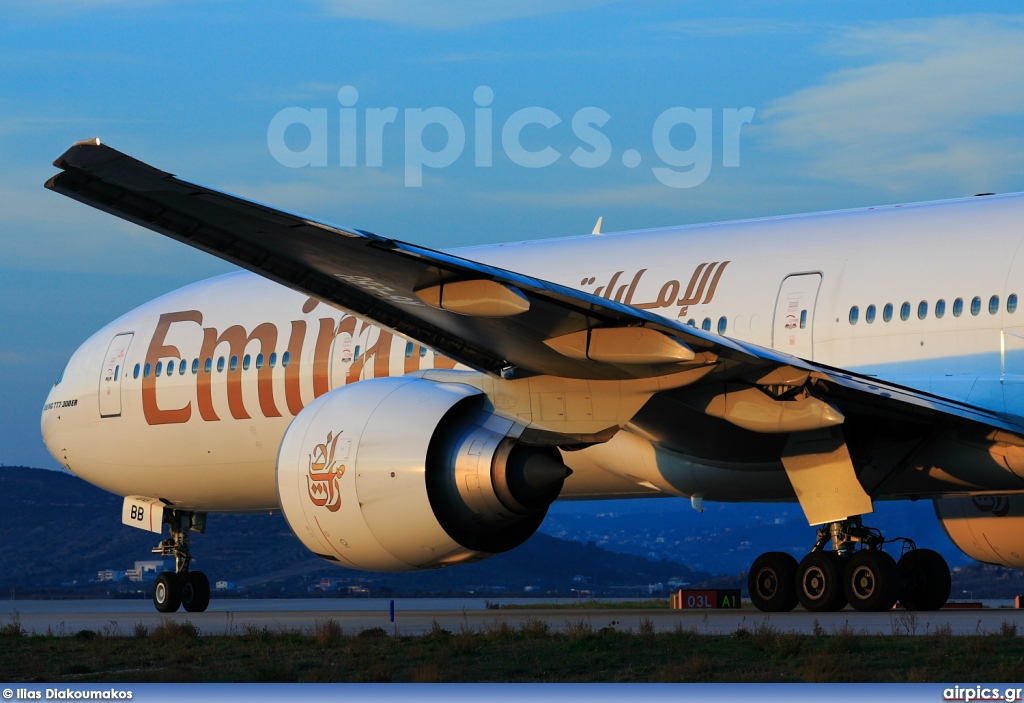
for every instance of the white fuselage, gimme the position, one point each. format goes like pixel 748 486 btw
pixel 187 397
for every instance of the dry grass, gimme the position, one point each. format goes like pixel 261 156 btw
pixel 530 651
pixel 327 632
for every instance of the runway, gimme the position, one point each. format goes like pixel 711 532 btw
pixel 416 616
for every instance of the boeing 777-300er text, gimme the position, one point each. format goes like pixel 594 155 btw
pixel 414 409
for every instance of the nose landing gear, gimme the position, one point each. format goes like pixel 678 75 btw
pixel 181 587
pixel 854 571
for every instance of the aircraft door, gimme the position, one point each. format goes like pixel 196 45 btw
pixel 792 328
pixel 110 375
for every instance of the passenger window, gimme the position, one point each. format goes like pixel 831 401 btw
pixel 259 361
pixel 273 359
pixel 145 374
pixel 723 323
pixel 940 308
pixel 423 351
pixel 408 350
pixel 159 368
pixel 976 305
pixel 208 366
pixel 117 371
pixel 286 358
pixel 246 362
pixel 220 365
pixel 922 310
pixel 854 315
pixel 234 363
pixel 195 366
pixel 887 312
pixel 181 367
pixel 958 307
pixel 803 319
pixel 869 314
pixel 135 373
pixel 905 312
pixel 355 356
pixel 993 305
pixel 706 325
pixel 1011 303
pixel 691 322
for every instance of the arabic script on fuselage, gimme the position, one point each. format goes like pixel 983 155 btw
pixel 700 290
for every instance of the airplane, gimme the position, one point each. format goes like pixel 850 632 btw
pixel 408 408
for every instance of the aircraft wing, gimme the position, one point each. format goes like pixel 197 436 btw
pixel 491 319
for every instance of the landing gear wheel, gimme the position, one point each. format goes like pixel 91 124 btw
pixel 167 592
pixel 819 582
pixel 872 581
pixel 195 592
pixel 771 582
pixel 926 580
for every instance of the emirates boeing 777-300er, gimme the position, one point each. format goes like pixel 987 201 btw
pixel 411 409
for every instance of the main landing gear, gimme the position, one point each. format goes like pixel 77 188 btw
pixel 855 571
pixel 181 587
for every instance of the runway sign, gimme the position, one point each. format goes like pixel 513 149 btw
pixel 698 600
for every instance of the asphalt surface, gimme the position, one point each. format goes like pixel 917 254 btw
pixel 416 616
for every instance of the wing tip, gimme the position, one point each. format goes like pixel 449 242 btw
pixel 61 161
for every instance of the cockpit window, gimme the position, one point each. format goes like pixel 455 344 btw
pixel 60 377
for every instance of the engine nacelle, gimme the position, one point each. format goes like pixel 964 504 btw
pixel 399 474
pixel 986 528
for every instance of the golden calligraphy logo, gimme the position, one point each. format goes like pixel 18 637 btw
pixel 324 474
pixel 703 284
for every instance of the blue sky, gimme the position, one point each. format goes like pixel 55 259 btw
pixel 854 104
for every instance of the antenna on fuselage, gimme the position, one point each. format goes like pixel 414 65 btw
pixel 597 227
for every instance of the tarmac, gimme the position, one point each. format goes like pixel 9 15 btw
pixel 417 616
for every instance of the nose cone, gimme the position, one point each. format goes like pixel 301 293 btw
pixel 50 421
pixel 67 403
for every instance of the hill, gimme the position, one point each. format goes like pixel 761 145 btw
pixel 57 532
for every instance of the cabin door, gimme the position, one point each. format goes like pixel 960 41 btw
pixel 110 375
pixel 792 328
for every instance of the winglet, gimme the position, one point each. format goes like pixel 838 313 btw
pixel 597 227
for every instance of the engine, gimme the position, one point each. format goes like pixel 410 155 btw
pixel 400 474
pixel 986 528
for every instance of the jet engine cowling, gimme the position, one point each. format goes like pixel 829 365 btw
pixel 401 474
pixel 987 528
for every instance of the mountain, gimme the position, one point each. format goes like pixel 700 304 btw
pixel 727 537
pixel 57 532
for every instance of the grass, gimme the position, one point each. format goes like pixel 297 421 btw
pixel 533 651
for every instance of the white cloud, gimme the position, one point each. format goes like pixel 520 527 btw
pixel 453 14
pixel 48 8
pixel 939 102
pixel 728 27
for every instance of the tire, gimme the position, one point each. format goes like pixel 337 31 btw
pixel 195 593
pixel 819 582
pixel 167 592
pixel 872 581
pixel 925 580
pixel 771 582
